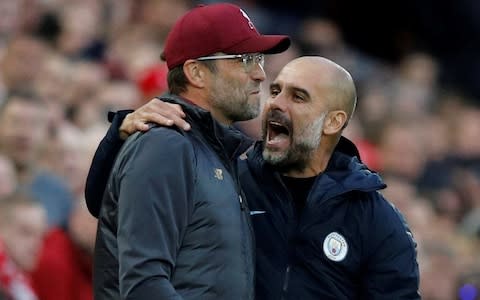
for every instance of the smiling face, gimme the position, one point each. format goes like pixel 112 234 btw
pixel 306 105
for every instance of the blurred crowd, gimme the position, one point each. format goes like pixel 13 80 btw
pixel 65 63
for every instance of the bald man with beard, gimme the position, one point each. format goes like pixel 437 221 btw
pixel 323 230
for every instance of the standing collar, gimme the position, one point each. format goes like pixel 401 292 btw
pixel 230 139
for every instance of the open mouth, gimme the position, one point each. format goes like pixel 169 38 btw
pixel 278 135
pixel 277 130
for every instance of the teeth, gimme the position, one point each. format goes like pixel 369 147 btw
pixel 275 123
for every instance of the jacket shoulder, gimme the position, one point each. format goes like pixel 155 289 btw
pixel 158 147
pixel 384 222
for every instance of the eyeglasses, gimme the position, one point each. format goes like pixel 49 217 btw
pixel 249 60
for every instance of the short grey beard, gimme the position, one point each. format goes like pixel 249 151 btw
pixel 232 108
pixel 299 154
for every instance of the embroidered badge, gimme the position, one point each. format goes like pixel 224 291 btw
pixel 335 246
pixel 219 174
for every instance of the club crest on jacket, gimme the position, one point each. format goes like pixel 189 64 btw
pixel 335 246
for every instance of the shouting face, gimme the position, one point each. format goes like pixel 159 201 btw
pixel 306 104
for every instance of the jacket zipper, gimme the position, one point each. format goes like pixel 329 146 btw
pixel 242 204
pixel 286 280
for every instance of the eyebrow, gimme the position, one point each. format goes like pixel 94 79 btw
pixel 303 91
pixel 274 85
pixel 292 89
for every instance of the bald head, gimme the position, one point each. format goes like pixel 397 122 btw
pixel 334 80
pixel 311 101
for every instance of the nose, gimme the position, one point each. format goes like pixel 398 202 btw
pixel 258 73
pixel 277 103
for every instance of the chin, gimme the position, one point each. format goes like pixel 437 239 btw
pixel 273 157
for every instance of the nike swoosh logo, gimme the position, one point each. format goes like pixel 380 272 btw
pixel 257 212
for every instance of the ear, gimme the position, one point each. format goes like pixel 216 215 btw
pixel 335 122
pixel 195 73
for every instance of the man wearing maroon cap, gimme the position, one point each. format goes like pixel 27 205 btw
pixel 173 223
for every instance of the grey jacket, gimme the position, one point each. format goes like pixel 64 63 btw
pixel 173 224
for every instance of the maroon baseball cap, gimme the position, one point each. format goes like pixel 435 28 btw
pixel 220 27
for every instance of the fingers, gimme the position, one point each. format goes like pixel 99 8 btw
pixel 177 116
pixel 127 127
pixel 163 113
pixel 139 126
pixel 166 119
pixel 155 111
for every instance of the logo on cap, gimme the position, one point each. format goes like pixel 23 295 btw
pixel 250 24
pixel 335 246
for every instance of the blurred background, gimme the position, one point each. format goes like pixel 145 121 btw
pixel 65 63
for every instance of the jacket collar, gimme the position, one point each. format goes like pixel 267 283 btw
pixel 224 139
pixel 345 172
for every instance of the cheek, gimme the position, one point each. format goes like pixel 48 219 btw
pixel 266 108
pixel 302 125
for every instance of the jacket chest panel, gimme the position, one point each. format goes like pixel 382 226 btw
pixel 216 205
pixel 323 239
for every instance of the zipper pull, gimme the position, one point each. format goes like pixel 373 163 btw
pixel 242 205
pixel 286 279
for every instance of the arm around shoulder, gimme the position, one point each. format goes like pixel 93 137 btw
pixel 102 163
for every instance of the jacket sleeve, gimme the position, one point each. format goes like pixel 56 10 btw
pixel 154 207
pixel 392 269
pixel 102 163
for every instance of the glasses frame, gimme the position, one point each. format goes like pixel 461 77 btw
pixel 249 60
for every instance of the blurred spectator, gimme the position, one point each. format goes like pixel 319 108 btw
pixel 466 141
pixel 21 63
pixel 322 36
pixel 66 257
pixel 8 177
pixel 71 153
pixel 468 187
pixel 23 134
pixel 152 82
pixel 439 274
pixel 414 85
pixel 64 270
pixel 131 52
pixel 367 149
pixel 159 15
pixel 401 150
pixel 56 72
pixel 87 79
pixel 80 35
pixel 118 95
pixel 23 224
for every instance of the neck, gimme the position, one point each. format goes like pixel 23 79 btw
pixel 317 163
pixel 311 170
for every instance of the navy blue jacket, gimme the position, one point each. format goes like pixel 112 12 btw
pixel 348 243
